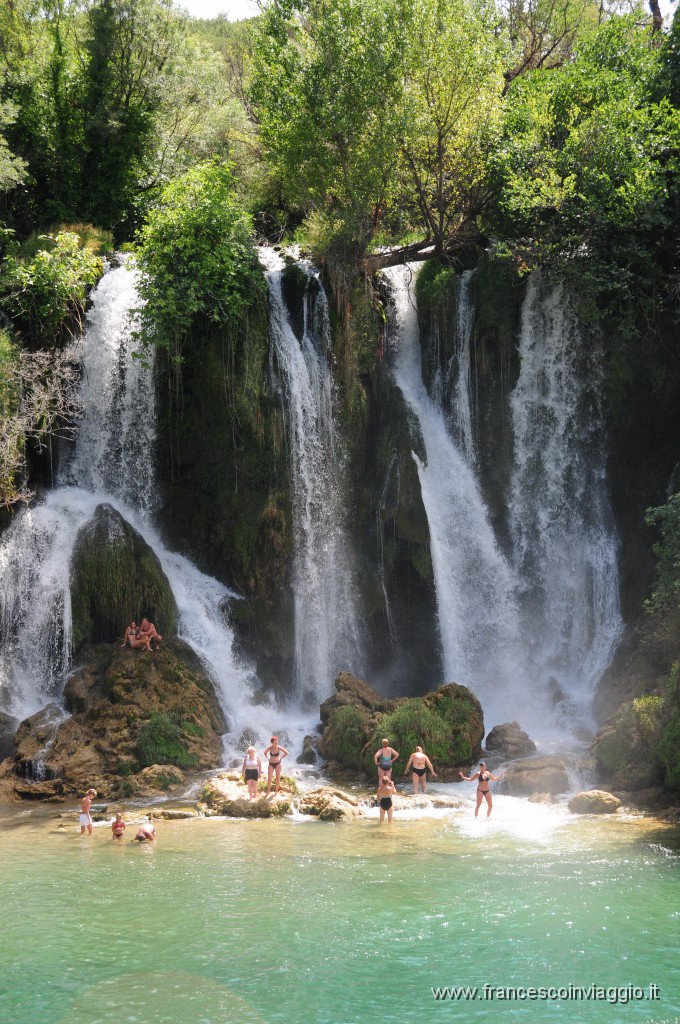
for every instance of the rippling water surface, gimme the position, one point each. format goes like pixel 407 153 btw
pixel 309 923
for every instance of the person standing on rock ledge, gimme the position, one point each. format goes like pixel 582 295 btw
pixel 85 816
pixel 384 759
pixel 251 771
pixel 420 765
pixel 275 754
pixel 483 788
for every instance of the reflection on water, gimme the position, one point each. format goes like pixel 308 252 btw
pixel 300 921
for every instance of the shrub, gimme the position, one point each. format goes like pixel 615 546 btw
pixel 161 741
pixel 46 295
pixel 413 724
pixel 346 736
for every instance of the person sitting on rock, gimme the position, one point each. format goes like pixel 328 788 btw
pixel 384 759
pixel 147 629
pixel 118 826
pixel 134 637
pixel 420 764
pixel 251 771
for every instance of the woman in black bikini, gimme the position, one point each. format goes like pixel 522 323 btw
pixel 483 788
pixel 386 790
pixel 420 764
pixel 276 754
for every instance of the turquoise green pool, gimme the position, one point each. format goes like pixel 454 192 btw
pixel 309 923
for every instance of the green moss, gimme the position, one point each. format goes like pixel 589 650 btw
pixel 161 741
pixel 669 752
pixel 347 735
pixel 412 724
pixel 115 576
pixel 434 284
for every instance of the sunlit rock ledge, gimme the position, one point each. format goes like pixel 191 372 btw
pixel 226 795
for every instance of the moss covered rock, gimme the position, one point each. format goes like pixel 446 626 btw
pixel 137 718
pixel 448 723
pixel 115 577
pixel 625 748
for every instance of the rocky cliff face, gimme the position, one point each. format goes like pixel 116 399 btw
pixel 129 711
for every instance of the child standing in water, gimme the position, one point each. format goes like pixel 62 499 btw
pixel 386 790
pixel 85 816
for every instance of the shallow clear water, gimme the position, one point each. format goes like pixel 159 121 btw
pixel 300 921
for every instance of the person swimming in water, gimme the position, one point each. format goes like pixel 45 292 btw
pixel 386 790
pixel 420 765
pixel 384 759
pixel 483 788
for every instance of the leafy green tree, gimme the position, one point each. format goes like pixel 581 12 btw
pixel 12 168
pixel 46 296
pixel 197 260
pixel 327 86
pixel 586 162
pixel 452 101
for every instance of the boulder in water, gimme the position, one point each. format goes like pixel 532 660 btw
pixel 308 755
pixel 536 775
pixel 510 741
pixel 227 795
pixel 116 577
pixel 594 801
pixel 328 804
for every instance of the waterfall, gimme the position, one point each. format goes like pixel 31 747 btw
pixel 461 364
pixel 478 617
pixel 327 635
pixel 561 523
pixel 114 453
pixel 112 462
pixel 530 630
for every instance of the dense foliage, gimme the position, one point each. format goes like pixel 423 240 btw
pixel 197 259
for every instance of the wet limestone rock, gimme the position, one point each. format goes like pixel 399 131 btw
pixel 163 777
pixel 33 741
pixel 448 723
pixel 328 804
pixel 536 775
pixel 510 741
pixel 594 801
pixel 131 711
pixel 8 727
pixel 226 795
pixel 308 755
pixel 115 577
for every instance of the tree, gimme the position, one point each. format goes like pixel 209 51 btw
pixel 587 163
pixel 452 103
pixel 197 260
pixel 327 88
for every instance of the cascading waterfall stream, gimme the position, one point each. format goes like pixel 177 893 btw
pixel 478 620
pixel 533 630
pixel 561 523
pixel 112 462
pixel 327 635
